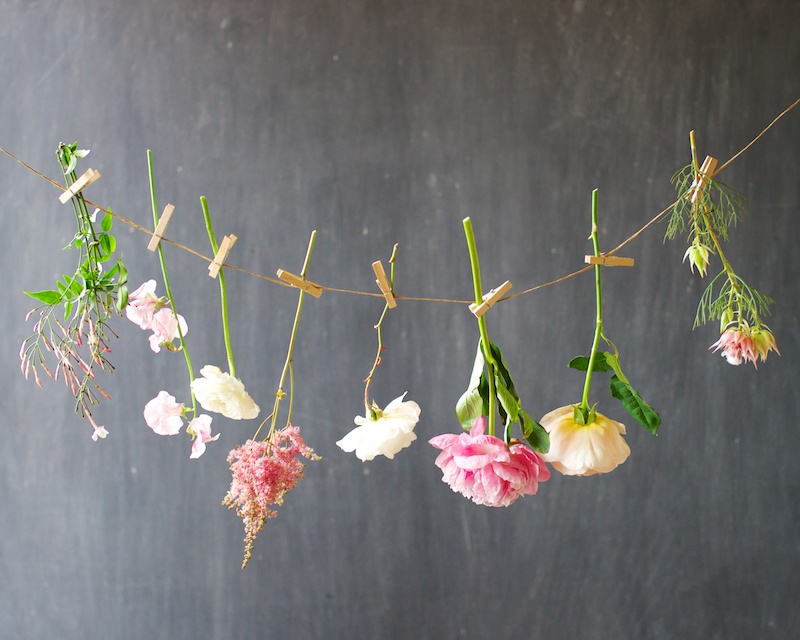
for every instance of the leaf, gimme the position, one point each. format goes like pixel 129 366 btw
pixel 470 405
pixel 634 404
pixel 48 297
pixel 507 401
pixel 107 221
pixel 107 245
pixel 501 365
pixel 613 362
pixel 122 298
pixel 534 433
pixel 581 363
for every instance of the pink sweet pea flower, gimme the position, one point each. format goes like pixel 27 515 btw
pixel 164 415
pixel 165 329
pixel 485 470
pixel 142 304
pixel 201 427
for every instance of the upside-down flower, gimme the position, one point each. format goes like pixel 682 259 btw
pixel 201 428
pixel 384 432
pixel 584 449
pixel 164 325
pixel 485 470
pixel 263 471
pixel 142 304
pixel 164 415
pixel 220 392
pixel 99 430
pixel 698 257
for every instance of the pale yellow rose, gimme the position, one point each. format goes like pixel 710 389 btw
pixel 584 450
pixel 220 392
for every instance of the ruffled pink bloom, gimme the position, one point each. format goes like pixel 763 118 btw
pixel 165 329
pixel 201 427
pixel 737 346
pixel 164 415
pixel 142 304
pixel 263 471
pixel 485 470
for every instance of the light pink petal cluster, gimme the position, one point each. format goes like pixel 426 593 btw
pixel 164 415
pixel 743 344
pixel 165 329
pixel 201 428
pixel 263 471
pixel 142 304
pixel 391 431
pixel 584 450
pixel 485 470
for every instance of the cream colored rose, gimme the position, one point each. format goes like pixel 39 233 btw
pixel 220 392
pixel 584 450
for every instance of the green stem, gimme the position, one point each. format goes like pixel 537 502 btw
pixel 287 366
pixel 223 291
pixel 598 331
pixel 166 279
pixel 491 364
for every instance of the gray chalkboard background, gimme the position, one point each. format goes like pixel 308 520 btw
pixel 379 122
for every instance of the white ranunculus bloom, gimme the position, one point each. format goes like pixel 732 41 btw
pixel 391 431
pixel 584 450
pixel 220 392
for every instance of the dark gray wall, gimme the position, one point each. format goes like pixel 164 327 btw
pixel 378 122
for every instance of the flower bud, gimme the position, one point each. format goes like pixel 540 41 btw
pixel 698 257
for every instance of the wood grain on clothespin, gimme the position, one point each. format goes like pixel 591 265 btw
pixel 161 227
pixel 296 281
pixel 89 176
pixel 706 171
pixel 222 254
pixel 609 261
pixel 383 284
pixel 489 299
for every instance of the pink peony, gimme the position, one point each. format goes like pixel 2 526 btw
pixel 263 471
pixel 142 304
pixel 485 470
pixel 200 427
pixel 165 329
pixel 164 415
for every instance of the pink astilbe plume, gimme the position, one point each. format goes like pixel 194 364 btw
pixel 263 471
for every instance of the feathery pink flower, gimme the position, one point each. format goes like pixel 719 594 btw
pixel 263 471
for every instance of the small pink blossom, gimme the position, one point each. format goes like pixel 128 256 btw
pixel 165 329
pixel 200 427
pixel 142 304
pixel 99 430
pixel 263 471
pixel 164 415
pixel 485 470
pixel 742 344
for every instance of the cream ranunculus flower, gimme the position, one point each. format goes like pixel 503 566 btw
pixel 390 431
pixel 220 392
pixel 584 450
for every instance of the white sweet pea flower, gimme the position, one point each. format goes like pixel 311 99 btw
pixel 390 431
pixel 220 392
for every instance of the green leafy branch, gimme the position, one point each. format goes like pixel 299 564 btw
pixel 88 299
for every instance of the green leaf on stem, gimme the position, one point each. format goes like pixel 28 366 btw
pixel 46 296
pixel 470 405
pixel 634 404
pixel 508 401
pixel 581 363
pixel 107 221
pixel 122 298
pixel 534 433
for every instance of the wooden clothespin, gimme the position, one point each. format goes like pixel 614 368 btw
pixel 79 185
pixel 706 171
pixel 161 227
pixel 609 261
pixel 306 285
pixel 222 253
pixel 489 299
pixel 383 284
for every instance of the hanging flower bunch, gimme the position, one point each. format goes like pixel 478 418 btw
pixel 72 322
pixel 709 208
